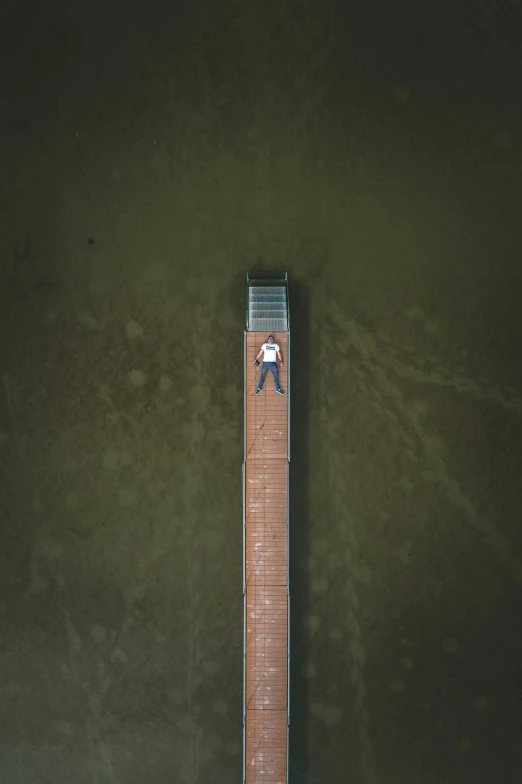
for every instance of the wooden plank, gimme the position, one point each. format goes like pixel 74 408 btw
pixel 266 747
pixel 266 516
pixel 266 567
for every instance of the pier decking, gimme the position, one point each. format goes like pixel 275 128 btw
pixel 266 594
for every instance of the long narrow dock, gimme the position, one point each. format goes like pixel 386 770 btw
pixel 265 539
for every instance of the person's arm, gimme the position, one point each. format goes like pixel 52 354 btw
pixel 261 351
pixel 280 358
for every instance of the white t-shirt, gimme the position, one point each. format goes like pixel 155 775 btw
pixel 270 350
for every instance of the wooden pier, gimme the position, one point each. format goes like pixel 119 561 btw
pixel 265 531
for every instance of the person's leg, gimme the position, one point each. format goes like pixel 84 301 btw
pixel 264 371
pixel 275 374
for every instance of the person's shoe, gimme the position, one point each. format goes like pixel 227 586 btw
pixel 280 392
pixel 258 391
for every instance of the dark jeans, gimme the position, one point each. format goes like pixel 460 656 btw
pixel 264 370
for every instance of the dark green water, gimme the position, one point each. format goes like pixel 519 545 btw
pixel 151 155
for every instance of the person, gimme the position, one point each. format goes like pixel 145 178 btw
pixel 270 351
